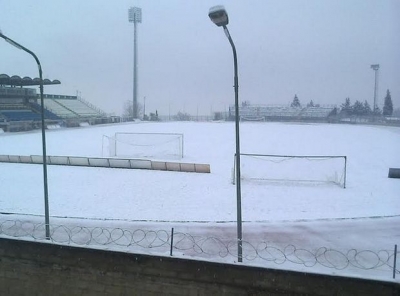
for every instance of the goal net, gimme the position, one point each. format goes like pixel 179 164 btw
pixel 252 118
pixel 290 169
pixel 144 145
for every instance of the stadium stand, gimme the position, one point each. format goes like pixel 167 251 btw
pixel 58 109
pixel 20 115
pixel 20 106
pixel 281 113
pixel 80 108
pixel 316 112
pixel 67 107
pixel 47 113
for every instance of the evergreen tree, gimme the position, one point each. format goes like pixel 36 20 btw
pixel 358 108
pixel 388 105
pixel 367 108
pixel 296 102
pixel 346 107
pixel 245 103
pixel 333 112
pixel 311 104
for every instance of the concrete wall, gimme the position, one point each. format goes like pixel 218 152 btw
pixel 105 162
pixel 31 268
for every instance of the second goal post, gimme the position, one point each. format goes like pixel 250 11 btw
pixel 144 145
pixel 293 169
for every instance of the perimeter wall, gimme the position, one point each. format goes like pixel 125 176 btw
pixel 32 268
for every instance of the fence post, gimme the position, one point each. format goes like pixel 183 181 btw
pixel 172 241
pixel 394 263
pixel 345 171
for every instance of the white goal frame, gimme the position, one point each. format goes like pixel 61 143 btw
pixel 252 118
pixel 163 139
pixel 311 157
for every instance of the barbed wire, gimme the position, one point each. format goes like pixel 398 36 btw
pixel 200 246
pixel 327 257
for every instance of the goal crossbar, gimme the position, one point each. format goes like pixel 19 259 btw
pixel 152 145
pixel 288 157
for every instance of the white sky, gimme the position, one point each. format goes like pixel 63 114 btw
pixel 319 50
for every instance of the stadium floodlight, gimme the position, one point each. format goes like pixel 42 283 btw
pixel 46 197
pixel 219 16
pixel 375 67
pixel 135 17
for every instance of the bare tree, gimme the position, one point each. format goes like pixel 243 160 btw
pixel 128 110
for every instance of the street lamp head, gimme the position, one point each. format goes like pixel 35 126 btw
pixel 218 15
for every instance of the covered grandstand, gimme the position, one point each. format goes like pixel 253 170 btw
pixel 68 107
pixel 20 107
pixel 283 113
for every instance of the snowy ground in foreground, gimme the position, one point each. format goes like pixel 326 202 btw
pixel 305 216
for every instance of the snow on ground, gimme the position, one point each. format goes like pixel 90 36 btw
pixel 365 215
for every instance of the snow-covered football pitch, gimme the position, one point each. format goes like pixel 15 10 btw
pixel 290 216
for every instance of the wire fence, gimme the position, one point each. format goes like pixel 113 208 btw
pixel 165 242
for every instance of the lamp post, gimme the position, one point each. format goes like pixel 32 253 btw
pixel 46 197
pixel 135 17
pixel 219 16
pixel 375 67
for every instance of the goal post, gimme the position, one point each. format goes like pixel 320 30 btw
pixel 144 145
pixel 292 169
pixel 252 118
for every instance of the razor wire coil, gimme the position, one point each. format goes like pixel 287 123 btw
pixel 203 246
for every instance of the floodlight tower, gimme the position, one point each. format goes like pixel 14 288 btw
pixel 375 67
pixel 135 17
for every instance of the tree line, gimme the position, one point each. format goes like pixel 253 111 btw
pixel 364 109
pixel 358 108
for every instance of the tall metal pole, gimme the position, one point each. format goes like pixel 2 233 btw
pixel 375 67
pixel 237 155
pixel 144 108
pixel 376 88
pixel 135 17
pixel 46 196
pixel 135 115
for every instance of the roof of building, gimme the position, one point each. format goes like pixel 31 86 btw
pixel 16 80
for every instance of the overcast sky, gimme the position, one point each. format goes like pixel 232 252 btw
pixel 320 50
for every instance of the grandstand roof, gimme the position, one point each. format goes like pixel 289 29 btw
pixel 16 80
